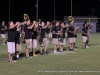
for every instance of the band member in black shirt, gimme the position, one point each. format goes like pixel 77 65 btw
pixel 71 35
pixel 88 27
pixel 44 41
pixel 84 36
pixel 55 36
pixel 11 40
pixel 3 32
pixel 48 30
pixel 75 35
pixel 62 36
pixel 34 38
pixel 28 36
pixel 18 41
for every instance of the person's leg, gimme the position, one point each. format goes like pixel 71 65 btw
pixel 27 47
pixel 46 44
pixel 55 43
pixel 34 47
pixel 84 42
pixel 70 43
pixel 9 47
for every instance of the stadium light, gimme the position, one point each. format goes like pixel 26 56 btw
pixel 54 11
pixel 71 8
pixel 37 11
pixel 9 11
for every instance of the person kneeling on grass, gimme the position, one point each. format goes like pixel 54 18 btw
pixel 18 42
pixel 11 40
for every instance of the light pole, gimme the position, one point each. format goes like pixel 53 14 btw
pixel 37 11
pixel 71 8
pixel 78 10
pixel 9 11
pixel 54 11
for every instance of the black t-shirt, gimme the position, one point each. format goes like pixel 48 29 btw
pixel 42 32
pixel 56 29
pixel 11 35
pixel 34 34
pixel 85 31
pixel 63 31
pixel 47 30
pixel 28 32
pixel 71 35
pixel 75 35
pixel 3 31
pixel 17 37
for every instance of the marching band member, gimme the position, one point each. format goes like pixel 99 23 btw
pixel 28 36
pixel 18 41
pixel 44 41
pixel 48 30
pixel 34 37
pixel 3 32
pixel 75 35
pixel 70 30
pixel 62 36
pixel 11 40
pixel 88 27
pixel 55 36
pixel 84 36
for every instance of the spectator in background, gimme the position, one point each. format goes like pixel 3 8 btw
pixel 3 32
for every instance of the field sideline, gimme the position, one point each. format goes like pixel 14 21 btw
pixel 79 62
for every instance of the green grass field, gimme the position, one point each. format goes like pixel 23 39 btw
pixel 79 62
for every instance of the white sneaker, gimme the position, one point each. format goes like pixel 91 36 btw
pixel 75 49
pixel 55 51
pixel 87 46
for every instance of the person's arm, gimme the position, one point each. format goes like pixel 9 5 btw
pixel 45 27
pixel 12 26
pixel 70 31
pixel 83 31
pixel 30 27
pixel 55 32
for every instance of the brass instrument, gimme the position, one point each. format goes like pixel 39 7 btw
pixel 75 30
pixel 70 18
pixel 25 17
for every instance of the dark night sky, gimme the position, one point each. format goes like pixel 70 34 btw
pixel 46 9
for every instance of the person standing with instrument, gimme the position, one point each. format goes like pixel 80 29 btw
pixel 11 40
pixel 70 30
pixel 62 36
pixel 28 36
pixel 34 38
pixel 43 39
pixel 55 36
pixel 75 34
